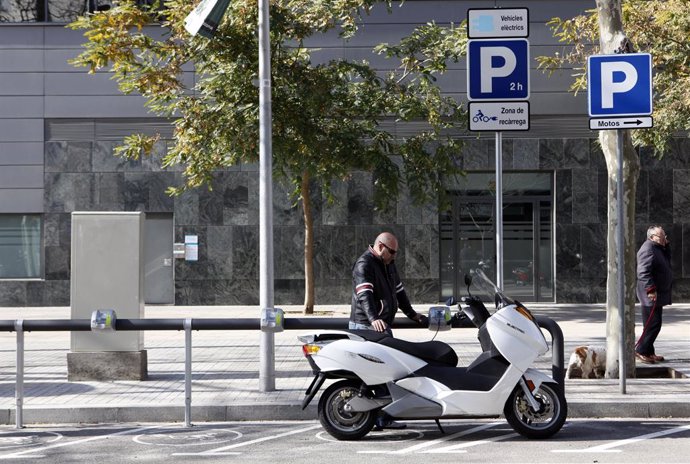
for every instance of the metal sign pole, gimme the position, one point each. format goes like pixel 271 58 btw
pixel 499 210
pixel 622 371
pixel 267 343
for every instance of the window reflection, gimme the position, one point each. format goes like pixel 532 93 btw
pixel 21 11
pixel 65 11
pixel 20 246
pixel 60 11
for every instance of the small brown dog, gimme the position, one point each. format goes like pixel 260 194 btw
pixel 587 362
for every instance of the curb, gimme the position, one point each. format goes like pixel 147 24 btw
pixel 270 412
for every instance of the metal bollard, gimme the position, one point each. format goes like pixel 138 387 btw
pixel 19 389
pixel 187 324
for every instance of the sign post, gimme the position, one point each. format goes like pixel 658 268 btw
pixel 620 98
pixel 498 87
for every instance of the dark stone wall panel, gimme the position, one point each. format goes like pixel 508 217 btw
pixel 288 252
pixel 551 154
pixel 360 205
pixel 68 192
pixel 564 197
pixel 13 293
pixel 526 154
pixel 568 252
pixel 594 244
pixel 86 176
pixel 57 263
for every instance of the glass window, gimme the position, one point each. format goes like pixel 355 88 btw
pixel 20 246
pixel 21 11
pixel 468 238
pixel 59 11
pixel 66 11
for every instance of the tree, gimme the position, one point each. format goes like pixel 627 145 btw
pixel 660 28
pixel 326 117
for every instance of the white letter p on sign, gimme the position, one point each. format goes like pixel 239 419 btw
pixel 488 72
pixel 609 87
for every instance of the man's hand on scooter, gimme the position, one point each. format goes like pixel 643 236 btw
pixel 379 325
pixel 422 320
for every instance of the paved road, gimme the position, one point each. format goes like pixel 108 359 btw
pixel 615 441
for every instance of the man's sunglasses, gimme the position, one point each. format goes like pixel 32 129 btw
pixel 390 250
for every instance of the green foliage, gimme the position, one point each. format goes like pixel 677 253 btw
pixel 658 27
pixel 326 116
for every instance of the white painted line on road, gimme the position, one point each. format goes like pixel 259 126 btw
pixel 460 448
pixel 176 437
pixel 414 448
pixel 222 450
pixel 31 453
pixel 407 434
pixel 20 439
pixel 616 444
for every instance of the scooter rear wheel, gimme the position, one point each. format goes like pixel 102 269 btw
pixel 543 423
pixel 336 419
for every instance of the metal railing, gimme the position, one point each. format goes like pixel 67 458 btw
pixel 20 326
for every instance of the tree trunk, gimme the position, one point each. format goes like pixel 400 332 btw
pixel 308 246
pixel 614 40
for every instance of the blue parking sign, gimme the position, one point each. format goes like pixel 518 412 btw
pixel 498 69
pixel 620 85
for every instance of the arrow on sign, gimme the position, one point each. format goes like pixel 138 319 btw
pixel 638 122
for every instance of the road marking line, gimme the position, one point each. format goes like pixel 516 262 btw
pixel 31 453
pixel 220 451
pixel 413 448
pixel 459 448
pixel 607 447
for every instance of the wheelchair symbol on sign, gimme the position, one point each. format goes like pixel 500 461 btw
pixel 482 117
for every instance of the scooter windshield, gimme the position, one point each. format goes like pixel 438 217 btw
pixel 489 288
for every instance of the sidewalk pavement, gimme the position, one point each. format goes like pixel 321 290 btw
pixel 225 384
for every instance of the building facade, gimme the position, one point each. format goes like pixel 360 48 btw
pixel 59 126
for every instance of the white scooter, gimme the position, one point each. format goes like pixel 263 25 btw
pixel 406 380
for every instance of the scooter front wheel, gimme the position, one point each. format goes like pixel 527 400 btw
pixel 335 417
pixel 542 423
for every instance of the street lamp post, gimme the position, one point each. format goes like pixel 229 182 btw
pixel 267 345
pixel 204 20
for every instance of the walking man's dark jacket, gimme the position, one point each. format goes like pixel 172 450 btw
pixel 654 273
pixel 377 291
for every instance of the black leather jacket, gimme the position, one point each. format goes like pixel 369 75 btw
pixel 654 273
pixel 377 292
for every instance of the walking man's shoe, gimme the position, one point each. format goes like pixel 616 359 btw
pixel 658 358
pixel 645 359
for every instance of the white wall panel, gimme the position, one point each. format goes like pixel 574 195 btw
pixel 18 60
pixel 24 153
pixel 21 130
pixel 24 36
pixel 21 177
pixel 21 200
pixel 21 83
pixel 21 107
pixel 121 106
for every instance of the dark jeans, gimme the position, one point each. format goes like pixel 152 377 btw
pixel 651 320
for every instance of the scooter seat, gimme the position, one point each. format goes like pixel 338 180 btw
pixel 434 352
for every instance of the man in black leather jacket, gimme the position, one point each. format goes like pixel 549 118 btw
pixel 654 279
pixel 377 291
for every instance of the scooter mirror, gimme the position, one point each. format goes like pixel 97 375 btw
pixel 468 280
pixel 439 318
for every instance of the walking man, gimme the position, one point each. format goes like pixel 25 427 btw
pixel 654 279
